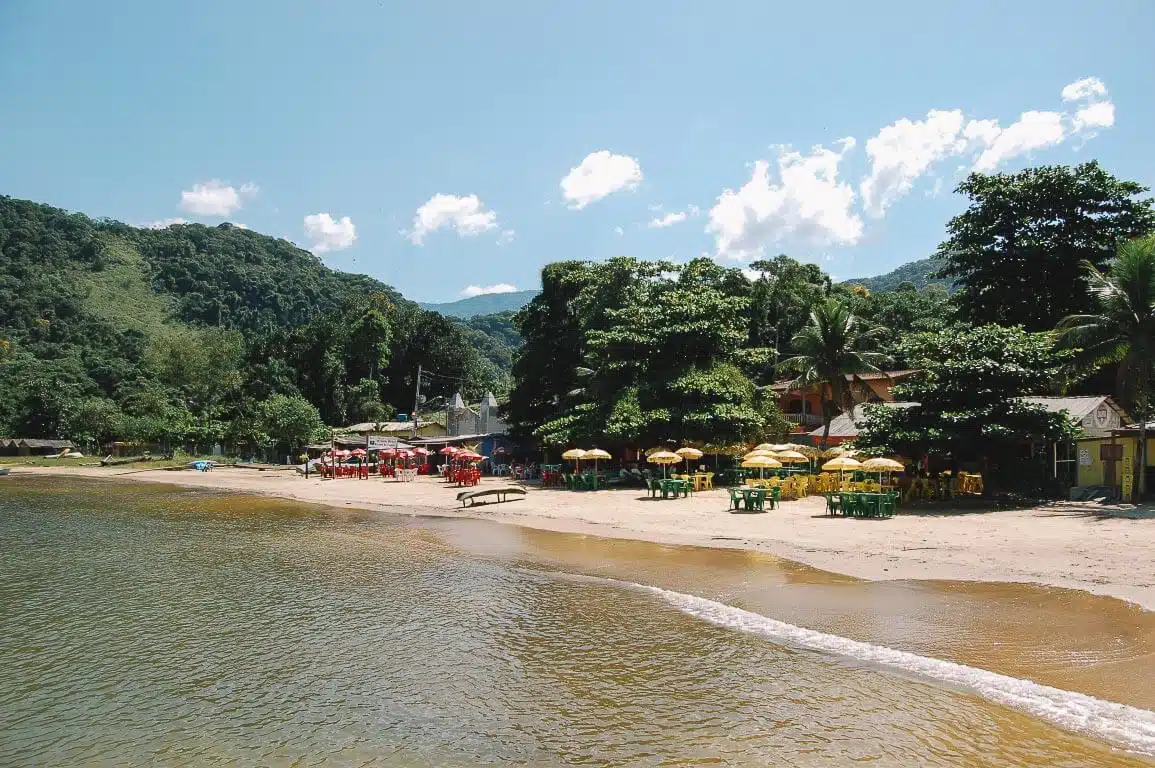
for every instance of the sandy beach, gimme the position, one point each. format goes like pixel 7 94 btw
pixel 1103 550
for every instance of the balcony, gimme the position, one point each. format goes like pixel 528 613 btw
pixel 810 420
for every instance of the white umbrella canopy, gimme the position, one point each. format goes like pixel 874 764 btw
pixel 792 457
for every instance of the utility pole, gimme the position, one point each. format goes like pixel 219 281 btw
pixel 416 401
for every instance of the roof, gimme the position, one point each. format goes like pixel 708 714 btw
pixel 845 425
pixel 385 426
pixel 782 386
pixel 446 439
pixel 1077 407
pixel 35 442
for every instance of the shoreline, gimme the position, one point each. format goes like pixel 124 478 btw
pixel 1066 545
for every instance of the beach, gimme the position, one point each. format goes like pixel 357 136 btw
pixel 1105 550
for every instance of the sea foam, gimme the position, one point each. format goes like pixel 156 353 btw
pixel 1121 725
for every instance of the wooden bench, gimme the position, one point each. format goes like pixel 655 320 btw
pixel 500 493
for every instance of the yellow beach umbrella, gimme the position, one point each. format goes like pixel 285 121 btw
pixel 761 463
pixel 792 457
pixel 575 455
pixel 764 447
pixel 595 454
pixel 689 453
pixel 756 453
pixel 841 464
pixel 882 465
pixel 664 458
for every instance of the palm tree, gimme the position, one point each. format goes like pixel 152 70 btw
pixel 832 344
pixel 1123 330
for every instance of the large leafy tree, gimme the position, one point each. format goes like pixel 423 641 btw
pixel 904 311
pixel 781 296
pixel 1017 249
pixel 967 393
pixel 833 345
pixel 290 421
pixel 1121 329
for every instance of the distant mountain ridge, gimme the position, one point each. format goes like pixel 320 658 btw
pixel 917 272
pixel 485 304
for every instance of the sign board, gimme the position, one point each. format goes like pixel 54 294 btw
pixel 1108 451
pixel 380 442
pixel 1084 457
pixel 1128 481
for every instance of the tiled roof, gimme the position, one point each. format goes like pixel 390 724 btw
pixel 845 425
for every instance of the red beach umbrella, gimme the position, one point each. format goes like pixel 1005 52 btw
pixel 419 451
pixel 468 456
pixel 449 450
pixel 341 453
pixel 357 452
pixel 387 453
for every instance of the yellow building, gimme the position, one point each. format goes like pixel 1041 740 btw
pixel 1111 461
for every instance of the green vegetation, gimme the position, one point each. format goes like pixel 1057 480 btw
pixel 1017 251
pixel 919 274
pixel 833 344
pixel 967 388
pixel 182 336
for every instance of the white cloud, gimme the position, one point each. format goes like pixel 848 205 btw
pixel 328 234
pixel 903 151
pixel 215 198
pixel 164 223
pixel 1033 130
pixel 599 174
pixel 1098 115
pixel 809 204
pixel 673 217
pixel 506 236
pixel 619 231
pixel 1087 88
pixel 478 290
pixel 981 132
pixel 463 214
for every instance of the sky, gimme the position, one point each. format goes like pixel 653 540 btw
pixel 454 148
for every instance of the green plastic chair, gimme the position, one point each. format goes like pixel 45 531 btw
pixel 833 505
pixel 735 499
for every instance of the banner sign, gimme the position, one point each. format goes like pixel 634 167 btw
pixel 380 442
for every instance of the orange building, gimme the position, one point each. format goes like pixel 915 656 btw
pixel 803 407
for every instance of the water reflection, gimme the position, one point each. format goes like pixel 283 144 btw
pixel 179 628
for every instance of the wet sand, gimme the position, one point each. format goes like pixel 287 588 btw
pixel 1101 550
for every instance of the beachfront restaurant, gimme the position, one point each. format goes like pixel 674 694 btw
pixel 1107 463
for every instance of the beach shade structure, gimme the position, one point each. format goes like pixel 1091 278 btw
pixel 665 458
pixel 419 451
pixel 792 457
pixel 595 454
pixel 882 465
pixel 689 454
pixel 761 463
pixel 841 465
pixel 341 453
pixel 387 453
pixel 765 447
pixel 575 455
pixel 757 453
pixel 449 450
pixel 468 456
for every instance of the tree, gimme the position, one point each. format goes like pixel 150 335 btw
pixel 833 344
pixel 905 311
pixel 92 420
pixel 1016 251
pixel 291 421
pixel 968 392
pixel 780 300
pixel 365 402
pixel 1122 330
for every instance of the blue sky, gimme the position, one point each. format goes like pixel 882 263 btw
pixel 427 143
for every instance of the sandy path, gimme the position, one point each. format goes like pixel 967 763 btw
pixel 1064 545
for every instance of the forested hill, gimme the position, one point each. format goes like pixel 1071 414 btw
pixel 920 273
pixel 194 324
pixel 485 304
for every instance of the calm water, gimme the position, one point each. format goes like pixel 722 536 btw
pixel 147 625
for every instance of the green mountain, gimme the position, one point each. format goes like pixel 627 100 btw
pixel 485 304
pixel 182 333
pixel 917 272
